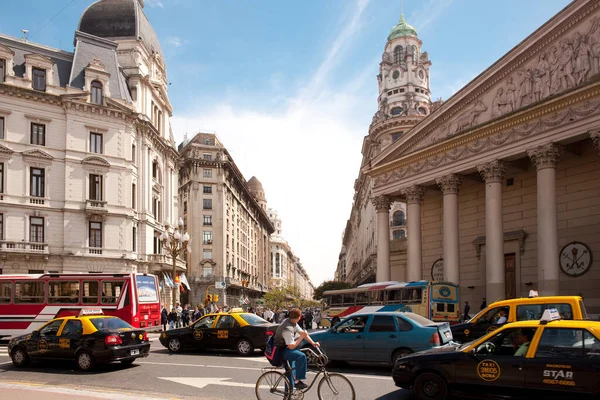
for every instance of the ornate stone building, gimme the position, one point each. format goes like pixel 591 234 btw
pixel 282 257
pixel 502 181
pixel 302 281
pixel 403 101
pixel 227 220
pixel 87 159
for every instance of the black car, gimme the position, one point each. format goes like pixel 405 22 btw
pixel 238 331
pixel 86 339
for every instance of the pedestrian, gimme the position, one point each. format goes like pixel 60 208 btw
pixel 290 336
pixel 483 304
pixel 318 320
pixel 185 315
pixel 172 318
pixel 201 310
pixel 466 316
pixel 308 320
pixel 164 315
pixel 268 315
pixel 276 315
pixel 179 311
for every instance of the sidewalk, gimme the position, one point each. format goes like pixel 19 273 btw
pixel 34 391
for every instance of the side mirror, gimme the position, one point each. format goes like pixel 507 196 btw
pixel 35 334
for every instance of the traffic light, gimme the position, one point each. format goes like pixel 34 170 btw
pixel 210 298
pixel 216 297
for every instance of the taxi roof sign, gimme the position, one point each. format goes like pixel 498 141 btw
pixel 550 314
pixel 90 311
pixel 533 293
pixel 236 310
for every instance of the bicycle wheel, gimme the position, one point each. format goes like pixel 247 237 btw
pixel 273 385
pixel 335 386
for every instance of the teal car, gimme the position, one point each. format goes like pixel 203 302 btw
pixel 381 337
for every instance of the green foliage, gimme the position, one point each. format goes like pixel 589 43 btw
pixel 287 297
pixel 330 285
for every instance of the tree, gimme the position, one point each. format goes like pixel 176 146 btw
pixel 330 285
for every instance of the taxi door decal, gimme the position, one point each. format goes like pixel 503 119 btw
pixel 64 343
pixel 488 370
pixel 223 334
pixel 42 346
pixel 198 334
pixel 558 374
pixel 491 328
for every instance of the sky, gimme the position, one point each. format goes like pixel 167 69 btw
pixel 290 86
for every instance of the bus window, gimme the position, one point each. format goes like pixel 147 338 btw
pixel 362 298
pixel 63 292
pixel 450 307
pixel 348 299
pixel 376 297
pixel 336 300
pixel 90 292
pixel 327 302
pixel 411 295
pixel 394 296
pixel 439 307
pixel 29 292
pixel 5 292
pixel 111 291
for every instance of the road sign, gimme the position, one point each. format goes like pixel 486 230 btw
pixel 220 285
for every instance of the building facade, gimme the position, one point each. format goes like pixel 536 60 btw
pixel 87 159
pixel 282 257
pixel 227 220
pixel 502 180
pixel 404 100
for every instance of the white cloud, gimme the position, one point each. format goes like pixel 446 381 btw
pixel 175 41
pixel 154 3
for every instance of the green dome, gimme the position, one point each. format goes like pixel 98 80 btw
pixel 402 29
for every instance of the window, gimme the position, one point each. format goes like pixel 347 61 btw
pixel 111 291
pixel 29 292
pixel 396 136
pixel 207 204
pixel 205 322
pixel 399 218
pixel 226 321
pixel 73 327
pixel 133 153
pixel 207 254
pixel 535 311
pixel 383 323
pixel 95 234
pixel 403 325
pixel 95 142
pixel 1 229
pixel 38 134
pixel 493 315
pixel 63 292
pixel 157 243
pixel 5 292
pixel 398 54
pixel 185 207
pixel 95 187
pixel 207 156
pixel 207 173
pixel 155 171
pixel 51 328
pixel 1 177
pixel 96 92
pixel 207 272
pixel 90 292
pixel 156 208
pixel 207 237
pixel 1 127
pixel 134 239
pixel 207 189
pixel 400 234
pixel 2 72
pixel 133 191
pixel 354 325
pixel 509 342
pixel 36 229
pixel 207 220
pixel 39 79
pixel 37 176
pixel 566 343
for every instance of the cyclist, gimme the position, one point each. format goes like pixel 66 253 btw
pixel 289 335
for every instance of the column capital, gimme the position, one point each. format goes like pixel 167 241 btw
pixel 492 171
pixel 413 194
pixel 381 203
pixel 544 156
pixel 595 135
pixel 449 183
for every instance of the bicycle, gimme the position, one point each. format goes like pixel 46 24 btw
pixel 273 384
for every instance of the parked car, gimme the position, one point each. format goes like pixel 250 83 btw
pixel 381 337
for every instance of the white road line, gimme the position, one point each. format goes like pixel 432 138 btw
pixel 262 360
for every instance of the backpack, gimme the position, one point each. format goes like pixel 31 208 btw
pixel 274 353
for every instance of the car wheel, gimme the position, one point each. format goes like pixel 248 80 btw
pixel 400 353
pixel 85 360
pixel 244 347
pixel 127 363
pixel 174 345
pixel 430 386
pixel 19 357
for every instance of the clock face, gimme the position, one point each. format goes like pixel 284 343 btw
pixel 396 74
pixel 575 259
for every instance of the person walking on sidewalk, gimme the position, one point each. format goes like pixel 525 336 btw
pixel 164 316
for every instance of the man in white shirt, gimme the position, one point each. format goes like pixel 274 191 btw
pixel 268 315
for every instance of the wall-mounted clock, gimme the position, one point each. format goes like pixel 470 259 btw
pixel 575 259
pixel 396 74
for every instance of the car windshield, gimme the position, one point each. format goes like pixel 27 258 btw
pixel 253 319
pixel 109 324
pixel 418 319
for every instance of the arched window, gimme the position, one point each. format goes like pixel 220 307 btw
pixel 96 92
pixel 398 54
pixel 399 218
pixel 396 235
pixel 414 54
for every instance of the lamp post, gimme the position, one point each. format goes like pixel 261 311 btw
pixel 175 243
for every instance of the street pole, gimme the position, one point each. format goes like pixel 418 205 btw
pixel 175 242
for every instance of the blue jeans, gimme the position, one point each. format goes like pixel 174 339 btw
pixel 296 359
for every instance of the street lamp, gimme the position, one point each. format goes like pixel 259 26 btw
pixel 175 243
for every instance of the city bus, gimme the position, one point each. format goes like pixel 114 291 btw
pixel 28 301
pixel 437 301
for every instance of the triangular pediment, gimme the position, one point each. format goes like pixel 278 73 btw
pixel 5 150
pixel 528 76
pixel 38 58
pixel 95 161
pixel 4 50
pixel 38 154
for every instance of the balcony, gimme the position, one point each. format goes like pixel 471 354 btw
pixel 40 201
pixel 96 207
pixel 9 246
pixel 165 260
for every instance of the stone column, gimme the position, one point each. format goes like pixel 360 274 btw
pixel 544 159
pixel 449 187
pixel 382 206
pixel 595 136
pixel 493 175
pixel 414 197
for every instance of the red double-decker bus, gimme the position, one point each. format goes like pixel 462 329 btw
pixel 30 300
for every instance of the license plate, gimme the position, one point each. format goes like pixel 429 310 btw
pixel 135 352
pixel 448 335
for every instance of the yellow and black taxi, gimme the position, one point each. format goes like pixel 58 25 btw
pixel 519 309
pixel 235 330
pixel 546 359
pixel 89 338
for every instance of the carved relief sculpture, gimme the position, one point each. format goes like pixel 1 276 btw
pixel 499 104
pixel 566 65
pixel 469 118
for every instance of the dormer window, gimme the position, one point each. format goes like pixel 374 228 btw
pixel 96 90
pixel 39 79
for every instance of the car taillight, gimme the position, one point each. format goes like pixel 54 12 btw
pixel 270 333
pixel 145 336
pixel 435 339
pixel 112 340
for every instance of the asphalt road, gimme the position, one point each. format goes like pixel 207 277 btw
pixel 200 375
